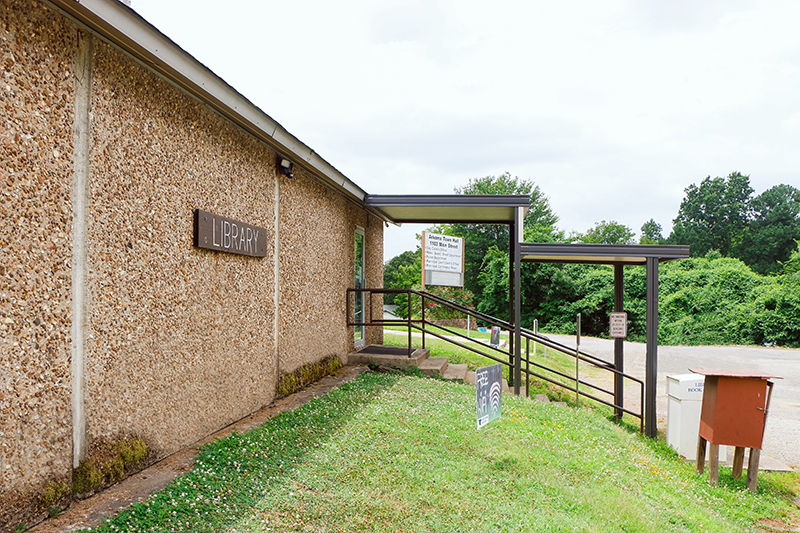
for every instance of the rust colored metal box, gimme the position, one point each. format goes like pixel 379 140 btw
pixel 734 406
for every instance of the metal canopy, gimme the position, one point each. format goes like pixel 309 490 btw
pixel 448 208
pixel 619 256
pixel 505 209
pixel 465 209
pixel 600 254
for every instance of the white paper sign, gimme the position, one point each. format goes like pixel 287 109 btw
pixel 442 252
pixel 443 259
pixel 618 323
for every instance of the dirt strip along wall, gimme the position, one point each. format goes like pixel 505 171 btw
pixel 180 342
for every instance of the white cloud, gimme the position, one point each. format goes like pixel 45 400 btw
pixel 613 107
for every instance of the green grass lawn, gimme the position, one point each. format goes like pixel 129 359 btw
pixel 394 452
pixel 554 360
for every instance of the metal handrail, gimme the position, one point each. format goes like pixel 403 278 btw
pixel 506 325
pixel 528 335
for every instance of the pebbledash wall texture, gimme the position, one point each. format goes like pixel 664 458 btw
pixel 36 101
pixel 102 295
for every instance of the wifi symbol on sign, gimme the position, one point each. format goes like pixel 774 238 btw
pixel 494 398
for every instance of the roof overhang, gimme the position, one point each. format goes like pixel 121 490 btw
pixel 123 28
pixel 751 374
pixel 448 208
pixel 600 254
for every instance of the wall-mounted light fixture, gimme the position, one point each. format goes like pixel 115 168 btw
pixel 285 166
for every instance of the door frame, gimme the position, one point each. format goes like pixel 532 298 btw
pixel 359 337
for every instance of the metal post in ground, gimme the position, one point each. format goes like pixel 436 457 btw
pixel 651 359
pixel 423 320
pixel 528 367
pixel 408 319
pixel 518 218
pixel 619 384
pixel 577 361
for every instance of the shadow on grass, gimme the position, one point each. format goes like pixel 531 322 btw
pixel 231 474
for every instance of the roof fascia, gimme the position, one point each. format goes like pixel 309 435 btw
pixel 445 200
pixel 122 27
pixel 379 203
pixel 662 252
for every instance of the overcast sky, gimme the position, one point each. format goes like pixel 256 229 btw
pixel 612 107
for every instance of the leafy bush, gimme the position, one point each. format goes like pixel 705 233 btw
pixel 700 300
pixel 711 300
pixel 773 317
pixel 435 311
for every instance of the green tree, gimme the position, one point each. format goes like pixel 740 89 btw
pixel 546 290
pixel 611 232
pixel 539 224
pixel 713 215
pixel 434 311
pixel 651 233
pixel 407 277
pixel 391 272
pixel 792 266
pixel 768 239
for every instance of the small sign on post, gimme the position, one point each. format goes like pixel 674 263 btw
pixel 488 391
pixel 494 340
pixel 618 325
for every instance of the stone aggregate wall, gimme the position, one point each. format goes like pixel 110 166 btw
pixel 181 339
pixel 313 252
pixel 317 261
pixel 36 101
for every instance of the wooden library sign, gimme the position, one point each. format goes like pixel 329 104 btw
pixel 223 234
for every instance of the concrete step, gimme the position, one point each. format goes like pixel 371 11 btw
pixel 396 357
pixel 433 366
pixel 455 372
pixel 470 378
pixel 389 356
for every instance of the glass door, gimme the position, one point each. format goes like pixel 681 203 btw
pixel 358 307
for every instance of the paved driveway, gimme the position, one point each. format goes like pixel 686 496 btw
pixel 782 437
